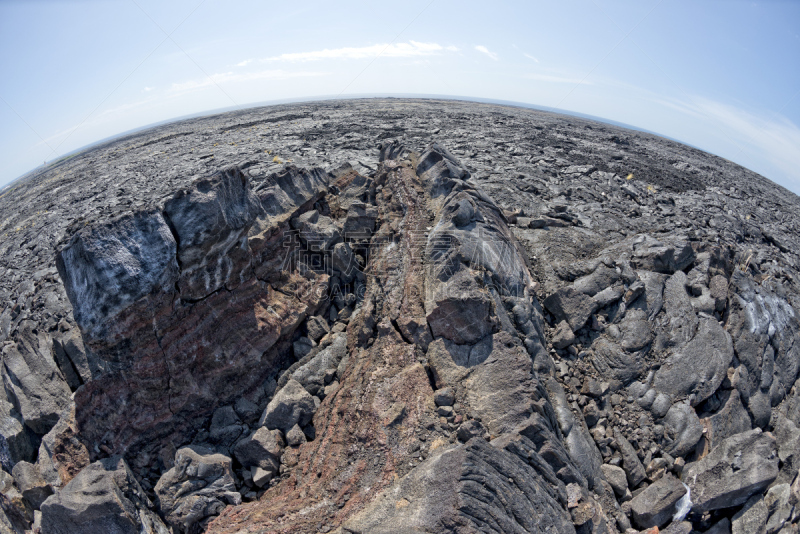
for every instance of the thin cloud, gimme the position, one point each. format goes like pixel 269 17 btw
pixel 531 57
pixel 226 77
pixel 409 49
pixel 147 89
pixel 244 63
pixel 484 50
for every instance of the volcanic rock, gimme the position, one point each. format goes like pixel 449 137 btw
pixel 740 466
pixel 655 506
pixel 200 485
pixel 103 498
pixel 197 279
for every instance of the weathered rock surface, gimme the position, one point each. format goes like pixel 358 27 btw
pixel 393 302
pixel 103 498
pixel 200 485
pixel 470 487
pixel 737 468
pixel 655 506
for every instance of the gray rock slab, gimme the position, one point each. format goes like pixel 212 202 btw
pixel 734 470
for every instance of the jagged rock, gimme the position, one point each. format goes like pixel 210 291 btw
pixel 360 221
pixel 15 434
pixel 104 497
pixel 311 375
pixel 226 427
pixel 731 419
pixel 134 254
pixel 286 192
pixel 569 305
pixel 751 518
pixel 177 358
pixel 33 487
pixel 210 221
pixel 317 327
pixel 62 454
pixel 33 382
pixel 292 405
pixel 317 232
pixel 616 477
pixel 633 467
pixel 655 506
pixel 684 527
pixel 344 261
pixel 16 512
pixel 507 494
pixel 740 466
pixel 779 506
pixel 170 358
pixel 563 336
pixel 723 526
pixel 200 485
pixel 262 448
pixel 653 255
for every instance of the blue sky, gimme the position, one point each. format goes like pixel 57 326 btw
pixel 721 75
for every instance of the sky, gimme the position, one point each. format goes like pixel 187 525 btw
pixel 723 76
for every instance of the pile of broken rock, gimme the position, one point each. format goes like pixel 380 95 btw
pixel 333 351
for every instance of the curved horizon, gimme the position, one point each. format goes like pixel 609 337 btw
pixel 717 77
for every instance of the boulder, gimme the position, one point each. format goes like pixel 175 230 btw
pixel 778 500
pixel 292 405
pixel 262 448
pixel 460 310
pixel 103 498
pixel 295 436
pixel 311 375
pixel 614 363
pixel 15 434
pixel 751 518
pixel 633 467
pixel 226 427
pixel 563 337
pixel 360 221
pixel 651 254
pixel 699 367
pixel 569 305
pixel 655 506
pixel 741 466
pixel 444 397
pixel 600 279
pixel 317 327
pixel 616 478
pixel 344 261
pixel 32 380
pixel 135 254
pixel 62 455
pixel 31 484
pixel 200 485
pixel 685 426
